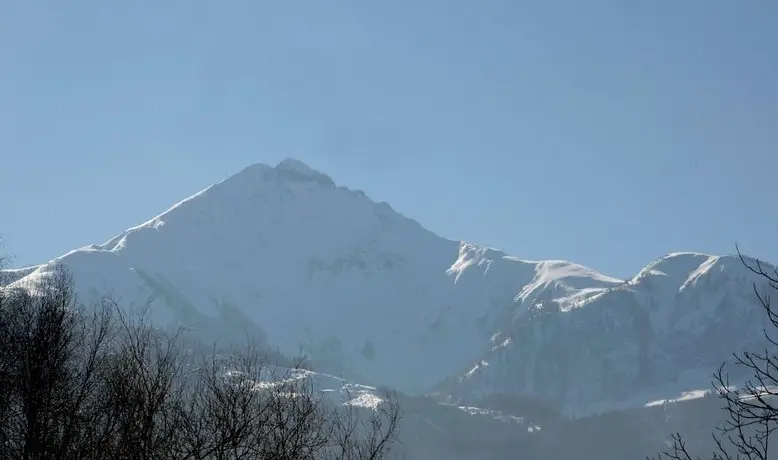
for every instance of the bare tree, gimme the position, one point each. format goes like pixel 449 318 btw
pixel 50 352
pixel 4 263
pixel 358 439
pixel 752 409
pixel 109 384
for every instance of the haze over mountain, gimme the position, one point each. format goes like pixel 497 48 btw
pixel 286 253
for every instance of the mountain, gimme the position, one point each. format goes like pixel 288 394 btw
pixel 659 335
pixel 286 254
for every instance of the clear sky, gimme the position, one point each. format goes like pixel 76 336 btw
pixel 603 132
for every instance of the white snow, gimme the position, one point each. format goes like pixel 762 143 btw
pixel 685 396
pixel 334 389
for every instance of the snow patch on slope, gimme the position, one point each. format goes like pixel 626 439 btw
pixel 336 390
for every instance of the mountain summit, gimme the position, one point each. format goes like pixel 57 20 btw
pixel 285 253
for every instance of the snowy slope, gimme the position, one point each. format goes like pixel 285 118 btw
pixel 285 253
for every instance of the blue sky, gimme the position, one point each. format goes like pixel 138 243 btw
pixel 607 133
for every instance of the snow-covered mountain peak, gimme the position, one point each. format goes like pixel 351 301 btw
pixel 283 250
pixel 675 272
pixel 290 202
pixel 673 264
pixel 287 172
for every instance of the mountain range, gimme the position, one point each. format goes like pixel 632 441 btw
pixel 286 254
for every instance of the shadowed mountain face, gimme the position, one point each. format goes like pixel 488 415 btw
pixel 284 253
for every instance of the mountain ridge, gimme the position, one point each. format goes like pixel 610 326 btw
pixel 288 254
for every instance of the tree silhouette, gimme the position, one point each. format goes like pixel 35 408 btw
pixel 105 383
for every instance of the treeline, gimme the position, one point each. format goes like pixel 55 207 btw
pixel 101 383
